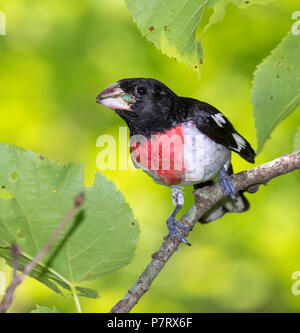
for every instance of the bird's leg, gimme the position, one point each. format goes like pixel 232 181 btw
pixel 178 201
pixel 226 184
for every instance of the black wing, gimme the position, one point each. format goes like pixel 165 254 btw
pixel 218 128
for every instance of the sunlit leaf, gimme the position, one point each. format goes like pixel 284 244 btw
pixel 38 194
pixel 171 25
pixel 276 88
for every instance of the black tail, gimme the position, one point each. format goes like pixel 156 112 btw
pixel 244 149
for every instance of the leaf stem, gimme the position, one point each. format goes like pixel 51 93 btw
pixel 76 299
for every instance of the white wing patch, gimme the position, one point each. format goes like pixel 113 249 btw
pixel 218 118
pixel 241 143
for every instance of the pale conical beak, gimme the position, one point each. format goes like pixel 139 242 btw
pixel 115 98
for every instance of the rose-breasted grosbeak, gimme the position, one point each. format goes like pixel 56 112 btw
pixel 200 152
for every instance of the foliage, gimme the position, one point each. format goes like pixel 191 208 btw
pixel 36 194
pixel 172 24
pixel 276 88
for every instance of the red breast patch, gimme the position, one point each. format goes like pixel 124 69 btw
pixel 162 154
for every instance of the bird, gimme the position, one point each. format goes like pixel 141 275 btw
pixel 179 141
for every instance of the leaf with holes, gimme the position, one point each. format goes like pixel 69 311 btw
pixel 36 194
pixel 276 88
pixel 171 25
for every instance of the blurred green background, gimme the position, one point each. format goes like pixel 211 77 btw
pixel 58 55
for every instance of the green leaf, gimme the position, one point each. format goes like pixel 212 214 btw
pixel 37 193
pixel 276 88
pixel 297 140
pixel 219 7
pixel 171 25
pixel 44 309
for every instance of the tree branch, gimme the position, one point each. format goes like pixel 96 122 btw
pixel 16 253
pixel 206 198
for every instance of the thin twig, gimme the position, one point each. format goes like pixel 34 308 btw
pixel 206 198
pixel 16 253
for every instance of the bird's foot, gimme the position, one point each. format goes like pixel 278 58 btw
pixel 174 232
pixel 226 184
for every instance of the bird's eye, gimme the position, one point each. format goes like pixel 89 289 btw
pixel 141 91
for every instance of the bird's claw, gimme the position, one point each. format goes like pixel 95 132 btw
pixel 226 184
pixel 172 224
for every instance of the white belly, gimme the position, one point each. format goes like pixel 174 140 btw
pixel 203 158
